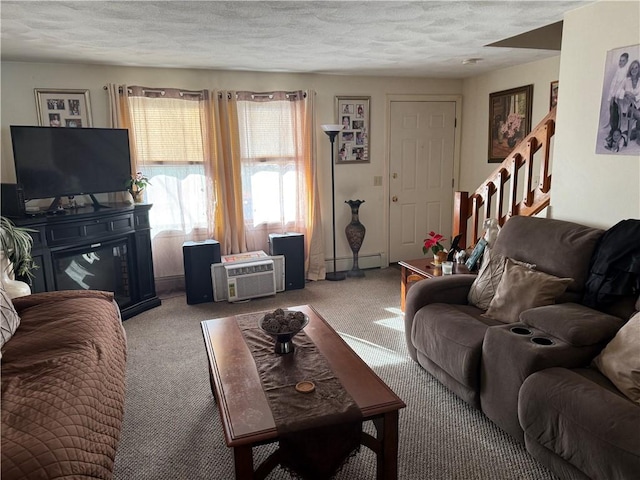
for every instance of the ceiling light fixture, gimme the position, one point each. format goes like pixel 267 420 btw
pixel 471 61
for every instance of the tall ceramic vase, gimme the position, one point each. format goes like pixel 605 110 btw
pixel 355 235
pixel 14 288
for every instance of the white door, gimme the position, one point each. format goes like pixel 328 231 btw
pixel 421 157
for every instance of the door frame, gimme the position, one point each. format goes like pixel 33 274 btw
pixel 457 99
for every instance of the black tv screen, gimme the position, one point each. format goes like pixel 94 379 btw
pixel 55 161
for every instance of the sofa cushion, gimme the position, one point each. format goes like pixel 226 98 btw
pixel 620 359
pixel 10 319
pixel 557 247
pixel 592 427
pixel 521 288
pixel 573 323
pixel 451 337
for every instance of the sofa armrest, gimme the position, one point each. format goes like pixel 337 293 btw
pixel 452 289
pixel 573 323
pixel 584 423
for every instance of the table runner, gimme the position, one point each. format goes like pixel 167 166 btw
pixel 319 430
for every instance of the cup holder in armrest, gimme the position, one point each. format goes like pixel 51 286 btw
pixel 542 341
pixel 521 331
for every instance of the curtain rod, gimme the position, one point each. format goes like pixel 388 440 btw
pixel 161 91
pixel 199 92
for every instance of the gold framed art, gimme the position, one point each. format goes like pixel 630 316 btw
pixel 509 120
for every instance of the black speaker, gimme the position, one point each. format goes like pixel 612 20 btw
pixel 12 200
pixel 198 258
pixel 291 245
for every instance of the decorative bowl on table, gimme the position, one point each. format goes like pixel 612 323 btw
pixel 283 325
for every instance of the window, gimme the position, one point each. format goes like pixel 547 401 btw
pixel 168 137
pixel 270 167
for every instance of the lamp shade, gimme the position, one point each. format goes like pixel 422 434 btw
pixel 336 127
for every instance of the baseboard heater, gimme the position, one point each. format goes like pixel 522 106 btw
pixel 242 280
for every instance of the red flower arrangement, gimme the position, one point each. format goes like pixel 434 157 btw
pixel 433 243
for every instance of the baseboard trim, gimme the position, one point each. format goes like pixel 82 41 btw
pixel 374 260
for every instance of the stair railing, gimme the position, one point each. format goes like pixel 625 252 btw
pixel 501 188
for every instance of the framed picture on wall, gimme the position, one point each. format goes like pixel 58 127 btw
pixel 619 122
pixel 509 120
pixel 353 141
pixel 553 95
pixel 63 108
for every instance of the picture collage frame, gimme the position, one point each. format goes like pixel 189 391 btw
pixel 63 108
pixel 353 140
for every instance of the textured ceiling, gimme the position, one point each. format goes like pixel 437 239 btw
pixel 396 38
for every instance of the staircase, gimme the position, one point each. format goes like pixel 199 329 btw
pixel 498 196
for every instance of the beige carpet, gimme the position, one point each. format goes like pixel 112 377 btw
pixel 172 429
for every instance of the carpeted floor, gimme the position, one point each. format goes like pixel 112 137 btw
pixel 172 428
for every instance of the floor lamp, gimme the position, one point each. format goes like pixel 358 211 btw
pixel 332 131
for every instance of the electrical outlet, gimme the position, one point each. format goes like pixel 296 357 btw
pixel 377 181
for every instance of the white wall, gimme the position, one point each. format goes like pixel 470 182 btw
pixel 474 165
pixel 597 190
pixel 352 181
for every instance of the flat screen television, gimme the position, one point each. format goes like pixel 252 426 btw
pixel 53 162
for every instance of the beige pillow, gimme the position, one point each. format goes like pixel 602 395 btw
pixel 522 288
pixel 485 284
pixel 9 320
pixel 620 359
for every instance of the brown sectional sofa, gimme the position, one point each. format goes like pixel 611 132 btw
pixel 63 387
pixel 534 378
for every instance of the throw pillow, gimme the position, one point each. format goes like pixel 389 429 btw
pixel 485 284
pixel 10 318
pixel 620 362
pixel 522 288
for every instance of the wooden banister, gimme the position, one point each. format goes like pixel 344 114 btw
pixel 505 180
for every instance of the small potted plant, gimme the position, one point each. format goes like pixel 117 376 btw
pixel 433 243
pixel 136 185
pixel 15 257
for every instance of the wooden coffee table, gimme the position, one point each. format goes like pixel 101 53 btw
pixel 245 413
pixel 419 269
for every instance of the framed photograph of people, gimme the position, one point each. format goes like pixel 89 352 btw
pixel 509 120
pixel 353 140
pixel 553 94
pixel 63 108
pixel 619 122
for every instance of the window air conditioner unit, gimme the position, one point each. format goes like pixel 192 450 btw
pixel 234 281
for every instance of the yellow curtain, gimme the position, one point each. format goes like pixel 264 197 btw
pixel 314 260
pixel 120 116
pixel 223 167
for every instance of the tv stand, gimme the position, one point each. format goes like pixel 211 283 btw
pixel 57 208
pixel 93 249
pixel 96 204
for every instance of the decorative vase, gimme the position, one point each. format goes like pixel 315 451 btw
pixel 440 257
pixel 511 141
pixel 14 288
pixel 355 235
pixel 138 196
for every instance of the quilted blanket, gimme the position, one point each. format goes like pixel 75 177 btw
pixel 63 387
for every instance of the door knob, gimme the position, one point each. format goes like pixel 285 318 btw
pixel 394 199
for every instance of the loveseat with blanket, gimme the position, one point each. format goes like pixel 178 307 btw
pixel 518 343
pixel 63 385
